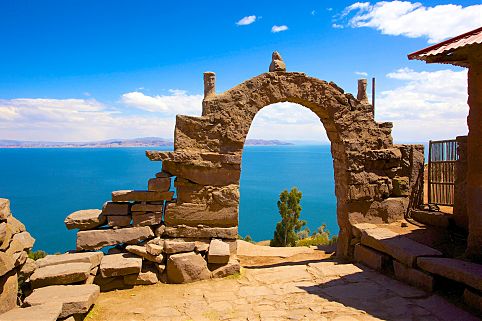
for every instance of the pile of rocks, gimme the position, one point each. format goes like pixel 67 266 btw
pixel 145 251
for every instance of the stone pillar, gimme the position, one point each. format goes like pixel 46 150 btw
pixel 362 91
pixel 209 84
pixel 474 162
pixel 460 199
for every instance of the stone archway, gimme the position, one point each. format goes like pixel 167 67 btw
pixel 373 177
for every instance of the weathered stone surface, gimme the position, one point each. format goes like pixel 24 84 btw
pixel 147 207
pixel 4 208
pixel 97 239
pixel 163 175
pixel 141 196
pixel 223 270
pixel 413 277
pixel 218 252
pixel 159 184
pixel 453 269
pixel 204 175
pixel 370 258
pixel 187 267
pixel 119 220
pixel 201 232
pixel 277 63
pixel 120 265
pixel 146 277
pixel 473 299
pixel 93 258
pixel 359 227
pixel 111 208
pixel 8 293
pixel 3 232
pixel 67 273
pixel 431 218
pixel 401 186
pixel 75 299
pixel 172 247
pixel 146 219
pixel 42 312
pixel 27 269
pixel 195 214
pixel 6 263
pixel 154 249
pixel 399 247
pixel 85 219
pixel 112 283
pixel 19 258
pixel 142 252
pixel 20 242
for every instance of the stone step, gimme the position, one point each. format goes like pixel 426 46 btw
pixel 42 312
pixel 75 299
pixel 397 246
pixel 97 239
pixel 85 219
pixel 68 273
pixel 431 218
pixel 120 265
pixel 93 258
pixel 141 196
pixel 457 270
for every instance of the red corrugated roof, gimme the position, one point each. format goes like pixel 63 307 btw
pixel 446 48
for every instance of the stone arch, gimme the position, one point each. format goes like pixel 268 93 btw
pixel 373 177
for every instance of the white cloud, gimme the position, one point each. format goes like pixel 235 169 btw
pixel 178 102
pixel 246 21
pixel 313 12
pixel 361 73
pixel 337 26
pixel 412 19
pixel 276 29
pixel 428 105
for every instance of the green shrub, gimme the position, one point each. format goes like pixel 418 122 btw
pixel 35 255
pixel 247 238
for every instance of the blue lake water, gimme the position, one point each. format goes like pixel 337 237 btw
pixel 45 185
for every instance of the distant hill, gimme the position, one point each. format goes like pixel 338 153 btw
pixel 133 142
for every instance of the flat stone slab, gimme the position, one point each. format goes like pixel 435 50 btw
pixel 111 208
pixel 398 246
pixel 93 258
pixel 146 219
pixel 172 247
pixel 457 270
pixel 97 239
pixel 42 312
pixel 218 252
pixel 85 219
pixel 159 184
pixel 120 264
pixel 141 196
pixel 202 232
pixel 75 299
pixel 142 252
pixel 147 207
pixel 60 274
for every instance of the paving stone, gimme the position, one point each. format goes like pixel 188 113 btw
pixel 67 273
pixel 112 208
pixel 119 220
pixel 146 219
pixel 42 312
pixel 413 277
pixel 9 290
pixel 120 265
pixel 142 252
pixel 85 219
pixel 97 239
pixel 4 208
pixel 202 232
pixel 398 246
pixel 187 267
pixel 159 184
pixel 453 269
pixel 369 257
pixel 141 196
pixel 218 252
pixel 172 247
pixel 93 258
pixel 443 310
pixel 75 299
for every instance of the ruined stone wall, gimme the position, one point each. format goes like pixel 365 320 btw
pixel 460 199
pixel 373 177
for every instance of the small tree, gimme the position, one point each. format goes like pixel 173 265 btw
pixel 289 208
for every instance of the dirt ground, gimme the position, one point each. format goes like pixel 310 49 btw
pixel 280 284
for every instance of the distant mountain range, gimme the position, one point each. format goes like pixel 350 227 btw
pixel 134 142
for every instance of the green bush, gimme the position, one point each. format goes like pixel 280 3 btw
pixel 247 238
pixel 35 255
pixel 320 237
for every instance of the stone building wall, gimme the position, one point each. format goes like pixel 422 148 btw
pixel 460 200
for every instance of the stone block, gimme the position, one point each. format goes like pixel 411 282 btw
pixel 202 232
pixel 146 219
pixel 397 246
pixel 27 269
pixel 431 218
pixel 8 293
pixel 204 175
pixel 141 196
pixel 186 267
pixel 43 312
pixel 154 249
pixel 7 263
pixel 163 175
pixel 111 283
pixel 401 186
pixel 146 277
pixel 172 247
pixel 473 299
pixel 119 220
pixel 147 207
pixel 359 227
pixel 97 239
pixel 75 299
pixel 4 208
pixel 111 208
pixel 3 232
pixel 194 214
pixel 413 276
pixel 370 258
pixel 120 265
pixel 85 219
pixel 93 258
pixel 223 270
pixel 464 272
pixel 218 252
pixel 159 184
pixel 142 252
pixel 67 273
pixel 20 242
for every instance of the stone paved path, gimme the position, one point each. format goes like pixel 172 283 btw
pixel 323 290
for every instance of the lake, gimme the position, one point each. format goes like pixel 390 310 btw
pixel 45 185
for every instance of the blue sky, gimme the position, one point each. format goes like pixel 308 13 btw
pixel 85 70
